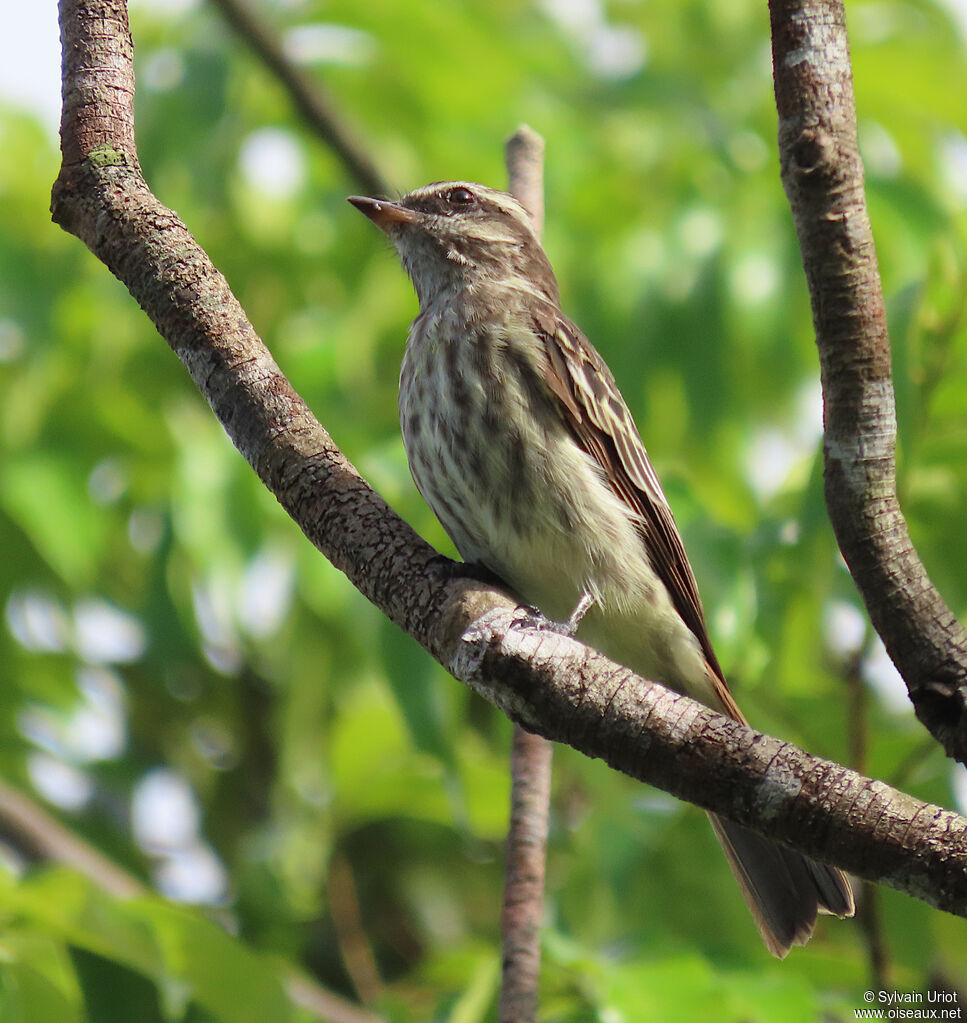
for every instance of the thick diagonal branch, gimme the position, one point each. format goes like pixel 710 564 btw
pixel 823 177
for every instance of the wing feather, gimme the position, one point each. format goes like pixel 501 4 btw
pixel 603 425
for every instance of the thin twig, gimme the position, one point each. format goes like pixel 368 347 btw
pixel 354 947
pixel 523 906
pixel 870 922
pixel 32 830
pixel 323 1004
pixel 823 176
pixel 307 95
pixel 530 758
pixel 524 156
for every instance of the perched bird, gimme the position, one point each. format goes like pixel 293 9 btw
pixel 520 442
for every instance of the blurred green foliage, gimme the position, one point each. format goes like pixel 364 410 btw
pixel 208 702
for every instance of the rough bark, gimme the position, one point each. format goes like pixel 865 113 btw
pixel 550 683
pixel 823 176
pixel 523 902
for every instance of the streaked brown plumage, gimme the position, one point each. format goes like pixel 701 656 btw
pixel 520 441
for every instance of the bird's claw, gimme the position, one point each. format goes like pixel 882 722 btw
pixel 534 618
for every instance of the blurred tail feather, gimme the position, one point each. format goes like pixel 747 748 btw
pixel 784 889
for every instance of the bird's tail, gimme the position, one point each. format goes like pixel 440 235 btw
pixel 784 889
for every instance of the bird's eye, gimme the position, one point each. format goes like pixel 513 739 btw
pixel 460 197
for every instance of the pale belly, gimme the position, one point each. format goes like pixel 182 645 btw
pixel 532 506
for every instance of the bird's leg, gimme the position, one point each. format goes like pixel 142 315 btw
pixel 570 627
pixel 536 619
pixel 447 569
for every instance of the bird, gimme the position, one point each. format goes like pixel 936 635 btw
pixel 518 438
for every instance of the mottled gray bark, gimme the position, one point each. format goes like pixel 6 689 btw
pixel 823 176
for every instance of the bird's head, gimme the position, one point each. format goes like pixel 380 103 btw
pixel 456 234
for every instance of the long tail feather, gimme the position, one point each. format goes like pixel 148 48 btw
pixel 784 889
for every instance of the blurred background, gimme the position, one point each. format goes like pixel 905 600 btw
pixel 190 689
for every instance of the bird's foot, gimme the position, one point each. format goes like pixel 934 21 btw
pixel 446 570
pixel 536 619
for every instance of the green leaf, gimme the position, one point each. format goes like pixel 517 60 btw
pixel 46 495
pixel 190 958
pixel 37 981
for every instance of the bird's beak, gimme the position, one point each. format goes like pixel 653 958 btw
pixel 382 213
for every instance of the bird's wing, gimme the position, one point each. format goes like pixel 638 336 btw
pixel 602 424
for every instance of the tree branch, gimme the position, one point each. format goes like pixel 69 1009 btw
pixel 530 758
pixel 307 95
pixel 524 874
pixel 823 177
pixel 524 154
pixel 32 830
pixel 548 683
pixel 354 948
